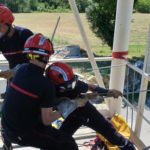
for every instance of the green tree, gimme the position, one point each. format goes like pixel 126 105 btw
pixel 33 4
pixel 42 5
pixel 143 6
pixel 57 3
pixel 54 4
pixel 17 5
pixel 82 5
pixel 101 16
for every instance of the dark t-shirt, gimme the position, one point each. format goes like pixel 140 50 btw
pixel 12 47
pixel 80 88
pixel 28 93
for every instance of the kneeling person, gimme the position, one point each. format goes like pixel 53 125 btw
pixel 68 86
pixel 27 111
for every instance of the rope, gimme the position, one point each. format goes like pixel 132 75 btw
pixel 146 148
pixel 133 92
pixel 127 93
pixel 106 67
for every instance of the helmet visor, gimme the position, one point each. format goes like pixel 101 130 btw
pixel 69 85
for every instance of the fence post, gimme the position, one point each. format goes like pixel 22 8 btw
pixel 144 86
pixel 120 49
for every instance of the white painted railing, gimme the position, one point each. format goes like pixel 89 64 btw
pixel 139 111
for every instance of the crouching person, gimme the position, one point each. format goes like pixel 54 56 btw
pixel 28 107
pixel 68 86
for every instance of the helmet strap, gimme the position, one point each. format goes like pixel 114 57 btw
pixel 43 59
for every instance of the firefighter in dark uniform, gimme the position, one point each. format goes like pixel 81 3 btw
pixel 68 85
pixel 28 106
pixel 12 40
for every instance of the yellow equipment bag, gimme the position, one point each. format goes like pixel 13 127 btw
pixel 121 126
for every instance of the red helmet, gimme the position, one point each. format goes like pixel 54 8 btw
pixel 62 75
pixel 38 44
pixel 6 16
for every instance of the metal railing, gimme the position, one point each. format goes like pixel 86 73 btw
pixel 131 97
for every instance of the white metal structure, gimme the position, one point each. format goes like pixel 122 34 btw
pixel 86 43
pixel 144 86
pixel 121 38
pixel 120 49
pixel 141 72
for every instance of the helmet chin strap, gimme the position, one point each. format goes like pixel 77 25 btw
pixel 40 58
pixel 43 59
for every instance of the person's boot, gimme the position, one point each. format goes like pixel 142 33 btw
pixel 6 144
pixel 128 146
pixel 7 147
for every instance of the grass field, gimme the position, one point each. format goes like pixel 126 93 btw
pixel 68 32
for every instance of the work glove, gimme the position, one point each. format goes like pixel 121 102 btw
pixel 114 93
pixel 9 73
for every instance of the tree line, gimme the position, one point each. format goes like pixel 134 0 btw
pixel 100 13
pixel 24 6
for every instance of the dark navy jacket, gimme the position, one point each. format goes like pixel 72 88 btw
pixel 28 92
pixel 12 47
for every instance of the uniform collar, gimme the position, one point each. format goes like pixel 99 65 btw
pixel 36 68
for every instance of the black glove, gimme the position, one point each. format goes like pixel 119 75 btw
pixel 114 93
pixel 101 91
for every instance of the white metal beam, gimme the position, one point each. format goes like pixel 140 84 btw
pixel 86 43
pixel 144 86
pixel 120 47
